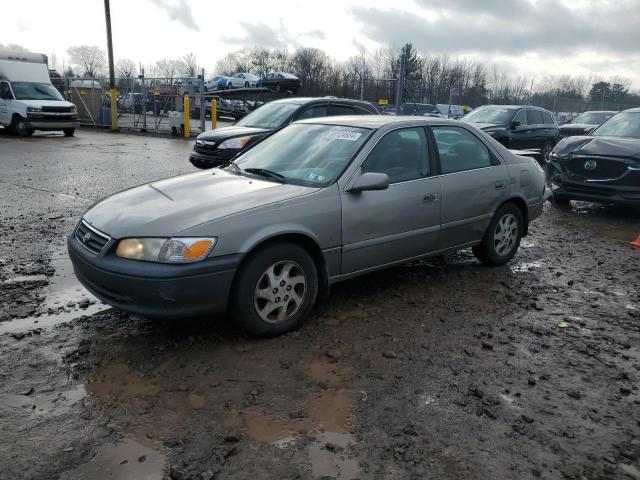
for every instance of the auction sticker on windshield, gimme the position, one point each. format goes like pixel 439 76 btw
pixel 341 133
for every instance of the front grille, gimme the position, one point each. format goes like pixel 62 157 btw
pixel 90 238
pixel 56 109
pixel 570 132
pixel 605 168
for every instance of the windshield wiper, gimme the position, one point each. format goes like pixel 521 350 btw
pixel 266 173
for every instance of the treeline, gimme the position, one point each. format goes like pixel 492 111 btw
pixel 371 75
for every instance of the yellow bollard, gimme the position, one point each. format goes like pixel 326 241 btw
pixel 113 95
pixel 214 114
pixel 187 117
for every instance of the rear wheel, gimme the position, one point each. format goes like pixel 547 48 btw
pixel 278 88
pixel 502 238
pixel 246 84
pixel 275 290
pixel 545 151
pixel 68 132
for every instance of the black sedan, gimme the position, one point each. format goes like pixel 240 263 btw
pixel 281 82
pixel 601 167
pixel 584 123
pixel 216 147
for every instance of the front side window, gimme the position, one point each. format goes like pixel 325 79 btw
pixel 305 154
pixel 460 150
pixel 5 91
pixel 521 117
pixel 402 154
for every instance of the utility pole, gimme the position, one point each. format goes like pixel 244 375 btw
pixel 400 85
pixel 112 71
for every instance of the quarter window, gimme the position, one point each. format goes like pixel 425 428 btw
pixel 402 154
pixel 534 117
pixel 460 150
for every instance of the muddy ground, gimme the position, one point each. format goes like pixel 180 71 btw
pixel 442 369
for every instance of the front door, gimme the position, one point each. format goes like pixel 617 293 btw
pixel 6 97
pixel 401 222
pixel 521 135
pixel 473 183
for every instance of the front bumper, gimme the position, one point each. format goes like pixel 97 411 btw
pixel 52 125
pixel 603 192
pixel 154 289
pixel 212 159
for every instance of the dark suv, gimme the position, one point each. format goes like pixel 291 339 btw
pixel 216 147
pixel 517 127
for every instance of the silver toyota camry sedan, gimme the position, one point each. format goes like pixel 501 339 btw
pixel 320 201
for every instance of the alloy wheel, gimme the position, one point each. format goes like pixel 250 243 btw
pixel 280 292
pixel 506 234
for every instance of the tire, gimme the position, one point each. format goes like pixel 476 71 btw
pixel 560 201
pixel 294 271
pixel 68 132
pixel 278 88
pixel 500 242
pixel 246 84
pixel 19 127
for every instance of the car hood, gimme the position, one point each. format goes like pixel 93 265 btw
pixel 46 103
pixel 224 133
pixel 601 146
pixel 167 207
pixel 485 126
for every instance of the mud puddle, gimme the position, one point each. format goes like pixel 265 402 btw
pixel 65 299
pixel 50 403
pixel 127 460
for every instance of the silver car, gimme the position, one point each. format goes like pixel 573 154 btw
pixel 321 201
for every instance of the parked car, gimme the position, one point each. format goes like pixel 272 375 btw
pixel 318 202
pixel 584 123
pixel 562 117
pixel 517 127
pixel 603 166
pixel 421 109
pixel 451 111
pixel 217 83
pixel 243 80
pixel 234 108
pixel 281 82
pixel 215 147
pixel 28 100
pixel 132 102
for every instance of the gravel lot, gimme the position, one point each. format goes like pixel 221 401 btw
pixel 441 369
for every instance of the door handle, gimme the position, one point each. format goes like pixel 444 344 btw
pixel 430 198
pixel 500 185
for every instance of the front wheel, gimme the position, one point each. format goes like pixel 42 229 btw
pixel 20 127
pixel 275 290
pixel 502 239
pixel 68 132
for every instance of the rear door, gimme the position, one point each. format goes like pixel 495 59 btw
pixel 401 222
pixel 473 182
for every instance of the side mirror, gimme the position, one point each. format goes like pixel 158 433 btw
pixel 515 124
pixel 370 181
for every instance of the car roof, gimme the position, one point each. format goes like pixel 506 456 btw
pixel 377 121
pixel 305 100
pixel 634 110
pixel 600 111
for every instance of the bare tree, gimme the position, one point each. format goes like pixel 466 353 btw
pixel 126 68
pixel 167 69
pixel 91 60
pixel 189 65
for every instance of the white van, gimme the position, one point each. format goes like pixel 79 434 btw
pixel 28 100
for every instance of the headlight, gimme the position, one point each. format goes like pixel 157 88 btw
pixel 172 250
pixel 236 143
pixel 34 109
pixel 73 109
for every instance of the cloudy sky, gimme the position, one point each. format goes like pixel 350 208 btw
pixel 543 37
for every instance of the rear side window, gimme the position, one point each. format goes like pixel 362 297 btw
pixel 402 154
pixel 534 117
pixel 548 120
pixel 315 112
pixel 460 150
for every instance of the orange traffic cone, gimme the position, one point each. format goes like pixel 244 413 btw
pixel 636 242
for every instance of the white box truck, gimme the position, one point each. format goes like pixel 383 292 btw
pixel 28 100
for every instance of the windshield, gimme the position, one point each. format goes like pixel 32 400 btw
pixel 305 154
pixel 270 115
pixel 35 91
pixel 625 124
pixel 592 118
pixel 490 115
